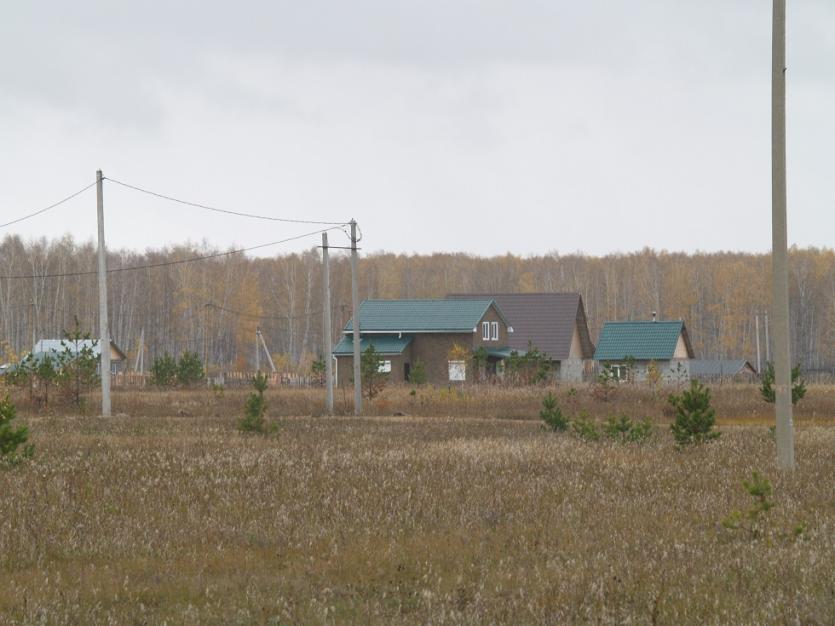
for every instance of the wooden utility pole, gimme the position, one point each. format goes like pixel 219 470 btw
pixel 757 328
pixel 326 324
pixel 104 332
pixel 779 245
pixel 355 300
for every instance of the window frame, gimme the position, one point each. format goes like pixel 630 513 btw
pixel 494 331
pixel 485 331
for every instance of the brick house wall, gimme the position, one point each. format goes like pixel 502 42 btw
pixel 432 350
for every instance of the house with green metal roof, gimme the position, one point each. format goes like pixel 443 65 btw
pixel 629 349
pixel 404 332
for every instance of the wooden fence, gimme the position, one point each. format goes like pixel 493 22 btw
pixel 226 379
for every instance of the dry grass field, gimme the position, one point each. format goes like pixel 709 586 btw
pixel 735 404
pixel 180 519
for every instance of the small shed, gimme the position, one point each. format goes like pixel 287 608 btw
pixel 55 347
pixel 718 370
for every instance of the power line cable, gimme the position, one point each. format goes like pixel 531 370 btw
pixel 51 206
pixel 169 263
pixel 227 211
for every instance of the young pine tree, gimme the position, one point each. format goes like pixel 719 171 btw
pixel 417 375
pixel 552 415
pixel 373 380
pixel 189 369
pixel 164 371
pixel 12 438
pixel 255 407
pixel 695 417
pixel 767 387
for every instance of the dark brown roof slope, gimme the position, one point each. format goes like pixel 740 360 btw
pixel 546 319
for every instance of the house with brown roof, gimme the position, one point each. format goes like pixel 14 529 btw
pixel 554 323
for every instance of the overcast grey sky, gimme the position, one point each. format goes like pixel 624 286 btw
pixel 525 126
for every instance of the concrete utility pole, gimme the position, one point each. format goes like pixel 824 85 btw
pixel 257 349
pixel 767 341
pixel 206 340
pixel 779 246
pixel 104 332
pixel 355 299
pixel 266 351
pixel 326 282
pixel 139 364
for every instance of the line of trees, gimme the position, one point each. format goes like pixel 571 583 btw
pixel 717 294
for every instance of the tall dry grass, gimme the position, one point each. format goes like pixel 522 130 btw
pixel 401 520
pixel 735 404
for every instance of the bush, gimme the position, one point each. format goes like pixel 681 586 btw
pixel 767 387
pixel 12 438
pixel 625 430
pixel 584 428
pixel 695 417
pixel 605 383
pixel 417 375
pixel 77 364
pixel 189 369
pixel 319 369
pixel 164 371
pixel 759 488
pixel 552 415
pixel 255 408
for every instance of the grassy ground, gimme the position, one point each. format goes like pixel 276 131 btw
pixel 735 404
pixel 406 520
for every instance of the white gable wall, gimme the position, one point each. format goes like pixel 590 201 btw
pixel 681 349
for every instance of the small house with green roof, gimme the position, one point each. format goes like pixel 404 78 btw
pixel 629 348
pixel 404 332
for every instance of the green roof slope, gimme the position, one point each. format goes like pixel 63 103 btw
pixel 643 340
pixel 421 315
pixel 382 344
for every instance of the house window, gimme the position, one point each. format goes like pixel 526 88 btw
pixel 485 331
pixel 384 367
pixel 620 372
pixel 495 333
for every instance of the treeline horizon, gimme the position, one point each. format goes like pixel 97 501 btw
pixel 717 294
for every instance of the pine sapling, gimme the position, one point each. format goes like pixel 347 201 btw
pixel 552 415
pixel 12 438
pixel 752 520
pixel 767 387
pixel 255 408
pixel 695 418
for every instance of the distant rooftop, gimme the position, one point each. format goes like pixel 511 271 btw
pixel 421 316
pixel 642 340
pixel 546 320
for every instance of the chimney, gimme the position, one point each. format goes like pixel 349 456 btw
pixel 654 316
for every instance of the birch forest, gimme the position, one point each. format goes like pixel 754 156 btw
pixel 213 307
